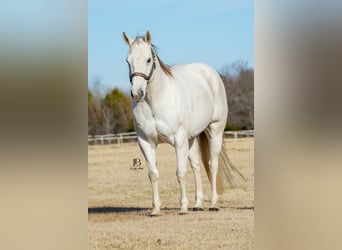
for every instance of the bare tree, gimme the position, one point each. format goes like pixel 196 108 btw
pixel 108 121
pixel 94 115
pixel 239 84
pixel 98 89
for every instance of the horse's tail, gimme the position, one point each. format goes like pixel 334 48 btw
pixel 226 170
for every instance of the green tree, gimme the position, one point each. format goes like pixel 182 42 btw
pixel 117 112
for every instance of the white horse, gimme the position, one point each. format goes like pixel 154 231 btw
pixel 184 106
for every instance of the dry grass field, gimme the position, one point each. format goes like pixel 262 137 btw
pixel 119 200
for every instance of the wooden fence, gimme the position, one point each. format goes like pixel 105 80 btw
pixel 132 136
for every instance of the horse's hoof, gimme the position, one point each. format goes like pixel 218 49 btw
pixel 197 209
pixel 154 213
pixel 214 209
pixel 183 212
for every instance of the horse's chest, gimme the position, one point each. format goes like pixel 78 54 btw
pixel 164 131
pixel 159 128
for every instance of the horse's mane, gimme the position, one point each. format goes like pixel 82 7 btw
pixel 166 68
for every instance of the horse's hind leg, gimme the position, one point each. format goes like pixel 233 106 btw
pixel 182 152
pixel 215 132
pixel 195 159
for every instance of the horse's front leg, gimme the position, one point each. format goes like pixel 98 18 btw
pixel 182 152
pixel 149 151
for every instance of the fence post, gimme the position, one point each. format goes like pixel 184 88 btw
pixel 235 135
pixel 101 140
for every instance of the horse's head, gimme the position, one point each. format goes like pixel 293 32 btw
pixel 141 62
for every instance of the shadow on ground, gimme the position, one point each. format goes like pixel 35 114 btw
pixel 106 210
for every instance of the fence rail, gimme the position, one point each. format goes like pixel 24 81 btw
pixel 112 138
pixel 132 136
pixel 238 134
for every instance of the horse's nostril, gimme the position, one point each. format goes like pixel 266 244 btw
pixel 140 93
pixel 132 94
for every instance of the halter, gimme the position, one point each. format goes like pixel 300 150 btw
pixel 146 77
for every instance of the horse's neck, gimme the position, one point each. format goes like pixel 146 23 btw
pixel 157 88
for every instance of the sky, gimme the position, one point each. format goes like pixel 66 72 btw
pixel 215 32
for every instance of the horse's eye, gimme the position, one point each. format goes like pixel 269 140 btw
pixel 149 60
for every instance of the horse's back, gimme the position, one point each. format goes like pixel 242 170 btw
pixel 196 74
pixel 203 90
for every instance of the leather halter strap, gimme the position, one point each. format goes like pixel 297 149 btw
pixel 146 77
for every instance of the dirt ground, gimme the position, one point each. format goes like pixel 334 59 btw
pixel 119 199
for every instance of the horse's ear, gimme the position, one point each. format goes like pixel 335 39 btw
pixel 148 37
pixel 127 39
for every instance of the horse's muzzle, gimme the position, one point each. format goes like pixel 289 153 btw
pixel 137 96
